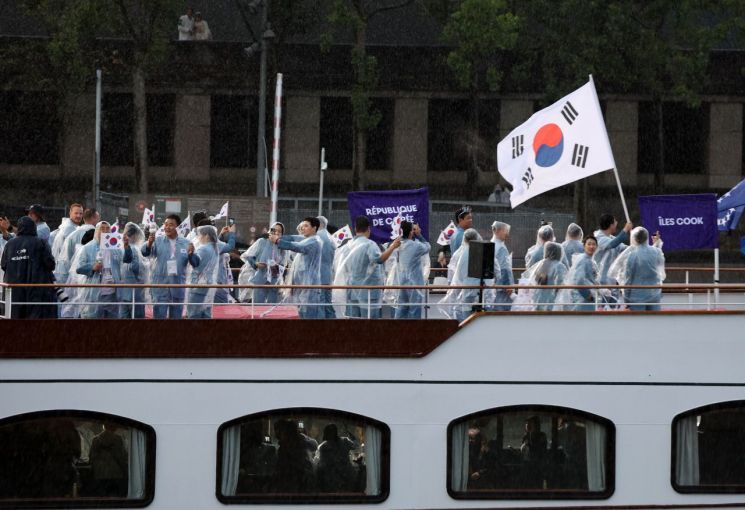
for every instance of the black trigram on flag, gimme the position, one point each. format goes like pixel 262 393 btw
pixel 579 156
pixel 517 146
pixel 569 113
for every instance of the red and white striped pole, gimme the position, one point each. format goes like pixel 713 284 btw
pixel 275 148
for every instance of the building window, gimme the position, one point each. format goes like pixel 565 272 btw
pixel 233 132
pixel 708 449
pixel 337 132
pixel 303 455
pixel 380 139
pixel 685 138
pixel 117 136
pixel 75 458
pixel 531 452
pixel 447 134
pixel 29 128
pixel 161 110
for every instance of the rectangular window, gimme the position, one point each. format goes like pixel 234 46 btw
pixel 303 455
pixel 531 452
pixel 684 138
pixel 447 134
pixel 380 139
pixel 29 128
pixel 75 459
pixel 337 132
pixel 233 132
pixel 117 135
pixel 161 110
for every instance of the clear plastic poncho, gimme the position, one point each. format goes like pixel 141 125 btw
pixel 640 264
pixel 573 243
pixel 359 266
pixel 458 303
pixel 66 228
pixel 64 259
pixel 584 271
pixel 138 270
pixel 91 298
pixel 199 300
pixel 535 253
pixel 306 270
pixel 550 271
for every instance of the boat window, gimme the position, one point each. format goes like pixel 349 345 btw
pixel 531 452
pixel 708 448
pixel 58 459
pixel 303 455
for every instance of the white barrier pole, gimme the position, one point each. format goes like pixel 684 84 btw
pixel 716 277
pixel 275 148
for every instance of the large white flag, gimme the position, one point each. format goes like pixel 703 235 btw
pixel 560 144
pixel 223 212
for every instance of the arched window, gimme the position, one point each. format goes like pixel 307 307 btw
pixel 67 458
pixel 304 455
pixel 708 449
pixel 531 452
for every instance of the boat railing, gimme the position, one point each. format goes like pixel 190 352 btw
pixel 479 300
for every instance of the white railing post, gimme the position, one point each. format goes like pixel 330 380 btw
pixel 133 302
pixel 253 300
pixel 8 301
pixel 369 304
pixel 690 294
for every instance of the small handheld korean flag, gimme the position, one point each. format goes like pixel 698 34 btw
pixel 396 226
pixel 148 216
pixel 161 231
pixel 446 235
pixel 111 241
pixel 560 144
pixel 340 235
pixel 114 227
pixel 223 212
pixel 184 228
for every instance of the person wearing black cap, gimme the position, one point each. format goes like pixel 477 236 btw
pixel 27 259
pixel 464 221
pixel 36 213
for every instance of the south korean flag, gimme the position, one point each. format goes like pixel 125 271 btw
pixel 560 144
pixel 111 241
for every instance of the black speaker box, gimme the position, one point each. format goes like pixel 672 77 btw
pixel 481 260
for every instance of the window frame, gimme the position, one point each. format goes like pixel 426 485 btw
pixel 610 468
pixel 701 489
pixel 91 502
pixel 305 499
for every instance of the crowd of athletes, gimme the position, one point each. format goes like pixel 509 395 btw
pixel 206 257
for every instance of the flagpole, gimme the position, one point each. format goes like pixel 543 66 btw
pixel 610 151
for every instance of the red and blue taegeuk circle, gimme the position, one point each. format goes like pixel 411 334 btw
pixel 548 145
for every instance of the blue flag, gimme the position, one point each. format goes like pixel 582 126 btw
pixel 685 222
pixel 730 207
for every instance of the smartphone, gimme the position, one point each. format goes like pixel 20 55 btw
pixel 231 221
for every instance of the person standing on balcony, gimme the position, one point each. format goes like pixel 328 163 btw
pixel 186 26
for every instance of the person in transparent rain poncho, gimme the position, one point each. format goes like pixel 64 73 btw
pixel 306 267
pixel 534 255
pixel 268 263
pixel 584 271
pixel 572 244
pixel 135 270
pixel 100 266
pixel 501 299
pixel 550 271
pixel 641 264
pixel 409 271
pixel 68 248
pixel 363 265
pixel 459 302
pixel 204 259
pixel 327 262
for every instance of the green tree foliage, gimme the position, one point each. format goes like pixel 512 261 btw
pixel 479 32
pixel 355 15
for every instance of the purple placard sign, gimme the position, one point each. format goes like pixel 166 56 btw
pixel 685 222
pixel 382 207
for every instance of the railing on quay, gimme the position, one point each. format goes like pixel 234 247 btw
pixel 480 304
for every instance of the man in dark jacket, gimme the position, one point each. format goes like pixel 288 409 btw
pixel 28 259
